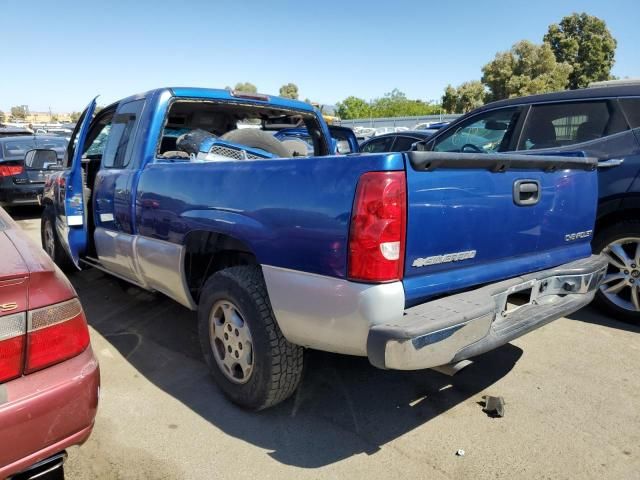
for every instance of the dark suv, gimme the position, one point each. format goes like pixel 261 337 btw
pixel 601 122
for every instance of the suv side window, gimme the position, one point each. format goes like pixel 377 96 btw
pixel 117 152
pixel 487 132
pixel 560 124
pixel 631 107
pixel 378 145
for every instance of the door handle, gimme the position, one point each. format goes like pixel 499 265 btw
pixel 526 192
pixel 613 162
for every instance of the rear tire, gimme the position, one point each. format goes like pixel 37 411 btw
pixel 51 243
pixel 248 356
pixel 623 275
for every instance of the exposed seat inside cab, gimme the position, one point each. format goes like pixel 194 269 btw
pixel 590 130
pixel 543 135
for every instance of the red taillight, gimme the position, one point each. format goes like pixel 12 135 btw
pixel 55 333
pixel 378 228
pixel 10 170
pixel 12 330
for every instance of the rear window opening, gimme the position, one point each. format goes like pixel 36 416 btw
pixel 204 131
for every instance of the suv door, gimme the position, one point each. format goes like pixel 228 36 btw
pixel 597 128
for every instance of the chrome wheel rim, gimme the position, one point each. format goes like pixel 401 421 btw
pixel 621 284
pixel 231 341
pixel 49 242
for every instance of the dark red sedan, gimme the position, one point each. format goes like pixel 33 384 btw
pixel 49 377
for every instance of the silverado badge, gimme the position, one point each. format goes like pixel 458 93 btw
pixel 444 258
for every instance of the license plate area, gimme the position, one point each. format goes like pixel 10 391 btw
pixel 516 297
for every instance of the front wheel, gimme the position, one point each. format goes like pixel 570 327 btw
pixel 249 358
pixel 51 243
pixel 619 294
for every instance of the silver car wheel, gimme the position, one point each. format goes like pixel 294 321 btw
pixel 49 239
pixel 231 341
pixel 621 285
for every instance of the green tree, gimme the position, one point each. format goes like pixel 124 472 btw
pixel 450 99
pixel 75 116
pixel 464 98
pixel 246 87
pixel 396 104
pixel 526 69
pixel 471 95
pixel 3 117
pixel 290 90
pixel 353 107
pixel 585 43
pixel 19 112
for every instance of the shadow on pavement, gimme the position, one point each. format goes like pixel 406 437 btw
pixel 343 407
pixel 593 315
pixel 25 212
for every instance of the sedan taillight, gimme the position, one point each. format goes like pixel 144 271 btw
pixel 10 170
pixel 54 334
pixel 12 338
pixel 41 338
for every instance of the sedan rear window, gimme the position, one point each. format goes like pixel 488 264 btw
pixel 16 149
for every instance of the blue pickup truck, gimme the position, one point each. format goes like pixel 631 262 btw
pixel 414 260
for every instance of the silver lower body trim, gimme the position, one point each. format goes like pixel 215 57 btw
pixel 328 313
pixel 148 262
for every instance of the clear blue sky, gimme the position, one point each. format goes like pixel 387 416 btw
pixel 61 53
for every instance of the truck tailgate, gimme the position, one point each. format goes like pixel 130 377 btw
pixel 478 218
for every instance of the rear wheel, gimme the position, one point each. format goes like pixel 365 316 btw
pixel 249 358
pixel 50 242
pixel 619 294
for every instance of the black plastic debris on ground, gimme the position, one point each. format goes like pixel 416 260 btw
pixel 493 406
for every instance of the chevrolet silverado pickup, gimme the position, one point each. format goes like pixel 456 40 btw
pixel 414 260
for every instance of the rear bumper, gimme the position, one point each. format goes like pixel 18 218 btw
pixel 20 194
pixel 464 325
pixel 46 412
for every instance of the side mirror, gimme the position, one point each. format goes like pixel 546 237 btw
pixel 41 159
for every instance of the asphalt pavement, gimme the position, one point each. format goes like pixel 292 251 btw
pixel 571 388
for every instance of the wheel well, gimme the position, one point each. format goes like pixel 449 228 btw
pixel 615 217
pixel 208 252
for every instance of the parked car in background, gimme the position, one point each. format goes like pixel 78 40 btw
pixel 49 377
pixel 342 138
pixel 385 130
pixel 22 184
pixel 601 122
pixel 395 142
pixel 430 125
pixel 55 131
pixel 9 131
